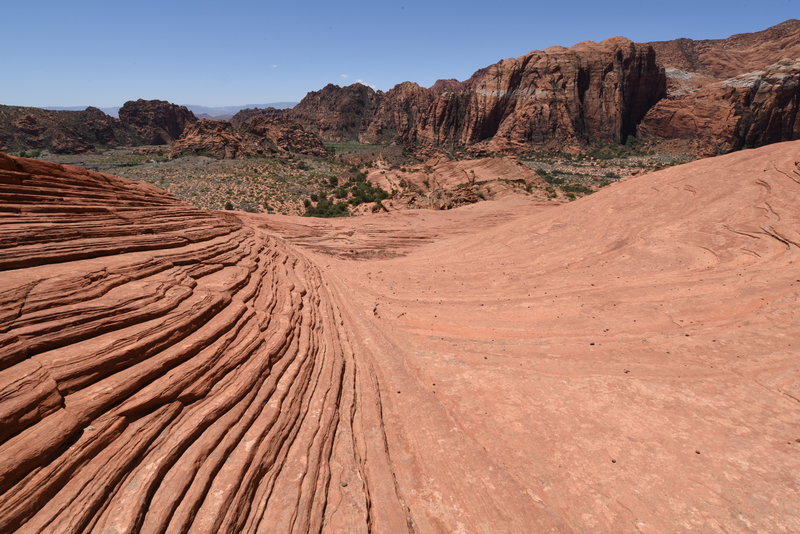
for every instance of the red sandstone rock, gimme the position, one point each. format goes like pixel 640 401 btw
pixel 285 134
pixel 336 113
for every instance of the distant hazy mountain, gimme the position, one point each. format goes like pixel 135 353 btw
pixel 108 111
pixel 211 112
pixel 226 112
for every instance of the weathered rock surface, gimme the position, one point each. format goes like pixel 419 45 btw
pixel 440 183
pixel 157 122
pixel 246 114
pixel 746 111
pixel 728 94
pixel 24 128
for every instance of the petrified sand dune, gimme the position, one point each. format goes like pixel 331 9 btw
pixel 623 363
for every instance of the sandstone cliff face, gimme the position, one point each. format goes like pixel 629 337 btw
pixel 156 121
pixel 553 97
pixel 746 111
pixel 23 128
pixel 560 96
pixel 738 54
pixel 727 94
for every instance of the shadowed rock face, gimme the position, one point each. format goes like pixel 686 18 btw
pixel 286 135
pixel 23 128
pixel 157 122
pixel 555 97
pixel 529 369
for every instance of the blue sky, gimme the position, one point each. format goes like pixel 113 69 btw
pixel 244 52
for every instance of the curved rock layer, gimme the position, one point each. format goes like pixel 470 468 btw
pixel 623 363
pixel 170 370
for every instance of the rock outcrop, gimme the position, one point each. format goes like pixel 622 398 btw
pixel 336 113
pixel 559 97
pixel 246 114
pixel 219 139
pixel 257 136
pixel 746 111
pixel 286 135
pixel 24 128
pixel 157 122
pixel 555 97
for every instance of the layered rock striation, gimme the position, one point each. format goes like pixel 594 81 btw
pixel 737 54
pixel 165 369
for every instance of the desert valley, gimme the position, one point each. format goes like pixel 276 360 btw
pixel 562 295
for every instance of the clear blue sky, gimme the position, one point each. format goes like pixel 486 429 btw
pixel 62 53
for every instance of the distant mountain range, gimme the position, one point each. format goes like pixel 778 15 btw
pixel 208 112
